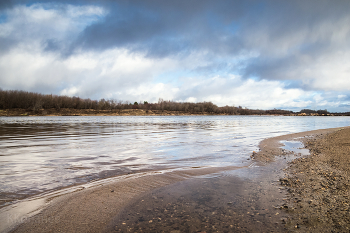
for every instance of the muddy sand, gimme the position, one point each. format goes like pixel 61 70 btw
pixel 293 193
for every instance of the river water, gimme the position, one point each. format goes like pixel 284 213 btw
pixel 40 154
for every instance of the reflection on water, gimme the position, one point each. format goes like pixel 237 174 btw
pixel 296 147
pixel 43 153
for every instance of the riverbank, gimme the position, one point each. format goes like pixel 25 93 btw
pixel 93 112
pixel 139 112
pixel 319 185
pixel 244 199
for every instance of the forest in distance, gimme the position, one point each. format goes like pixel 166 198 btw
pixel 16 102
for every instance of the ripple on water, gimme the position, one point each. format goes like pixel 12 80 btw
pixel 39 154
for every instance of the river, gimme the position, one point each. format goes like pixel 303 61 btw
pixel 41 154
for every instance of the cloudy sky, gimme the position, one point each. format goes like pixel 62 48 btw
pixel 257 54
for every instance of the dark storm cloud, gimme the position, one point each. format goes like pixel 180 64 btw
pixel 281 32
pixel 161 28
pixel 5 4
pixel 132 22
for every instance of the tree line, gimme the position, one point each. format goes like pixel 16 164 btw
pixel 12 99
pixel 31 101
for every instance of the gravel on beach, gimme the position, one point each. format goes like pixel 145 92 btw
pixel 318 185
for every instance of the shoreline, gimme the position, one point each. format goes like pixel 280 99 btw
pixel 95 208
pixel 270 148
pixel 92 112
pixel 131 112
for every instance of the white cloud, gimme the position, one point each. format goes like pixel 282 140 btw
pixel 236 91
pixel 72 91
pixel 23 69
pixel 191 99
pixel 328 72
pixel 38 22
pixel 89 74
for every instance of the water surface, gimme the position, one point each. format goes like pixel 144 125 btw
pixel 39 154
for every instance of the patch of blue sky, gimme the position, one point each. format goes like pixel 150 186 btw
pixel 233 28
pixel 3 18
pixel 254 78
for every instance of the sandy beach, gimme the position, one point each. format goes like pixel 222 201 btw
pixel 318 185
pixel 279 191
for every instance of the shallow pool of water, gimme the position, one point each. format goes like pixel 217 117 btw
pixel 295 147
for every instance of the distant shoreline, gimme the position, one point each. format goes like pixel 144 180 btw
pixel 129 112
pixel 22 103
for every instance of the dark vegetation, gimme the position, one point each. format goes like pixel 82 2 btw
pixel 35 102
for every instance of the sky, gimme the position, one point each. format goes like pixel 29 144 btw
pixel 258 54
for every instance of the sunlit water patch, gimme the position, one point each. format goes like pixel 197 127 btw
pixel 39 154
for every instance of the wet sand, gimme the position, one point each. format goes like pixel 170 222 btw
pixel 89 208
pixel 229 199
